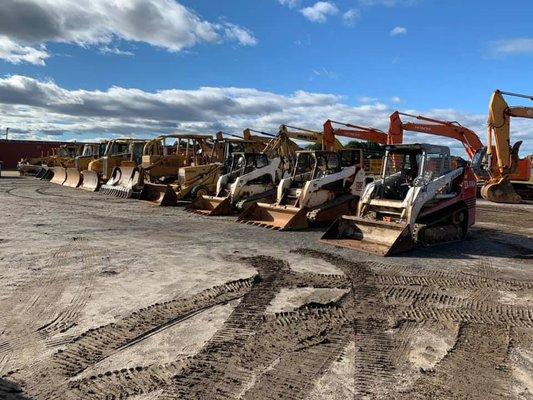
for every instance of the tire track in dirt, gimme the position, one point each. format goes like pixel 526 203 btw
pixel 475 368
pixel 96 344
pixel 281 356
pixel 370 323
pixel 39 302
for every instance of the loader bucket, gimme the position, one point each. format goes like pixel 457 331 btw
pixel 377 237
pixel 60 175
pixel 211 205
pixel 73 178
pixel 90 181
pixel 162 195
pixel 123 182
pixel 501 191
pixel 274 216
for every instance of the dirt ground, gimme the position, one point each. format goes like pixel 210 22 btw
pixel 105 298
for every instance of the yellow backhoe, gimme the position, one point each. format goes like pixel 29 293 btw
pixel 195 178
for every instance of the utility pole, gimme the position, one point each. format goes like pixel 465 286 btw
pixel 7 133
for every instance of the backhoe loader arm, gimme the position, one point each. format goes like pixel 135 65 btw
pixel 357 132
pixel 454 130
pixel 498 134
pixel 309 136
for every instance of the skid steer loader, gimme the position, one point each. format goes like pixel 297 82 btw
pixel 251 177
pixel 198 174
pixel 322 185
pixel 118 152
pixel 420 199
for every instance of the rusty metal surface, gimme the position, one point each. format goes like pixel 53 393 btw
pixel 211 205
pixel 275 217
pixel 162 195
pixel 376 237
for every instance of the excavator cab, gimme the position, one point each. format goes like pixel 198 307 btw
pixel 419 199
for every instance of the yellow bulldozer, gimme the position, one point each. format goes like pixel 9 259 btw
pixel 91 151
pixel 191 169
pixel 57 161
pixel 123 152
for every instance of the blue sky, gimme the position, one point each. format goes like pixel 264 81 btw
pixel 305 61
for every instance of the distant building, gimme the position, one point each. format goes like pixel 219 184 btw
pixel 11 151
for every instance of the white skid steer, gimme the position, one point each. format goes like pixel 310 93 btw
pixel 419 200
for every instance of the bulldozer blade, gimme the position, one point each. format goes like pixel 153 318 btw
pixel 162 195
pixel 211 205
pixel 73 178
pixel 123 182
pixel 501 191
pixel 274 216
pixel 377 237
pixel 60 175
pixel 90 181
pixel 41 173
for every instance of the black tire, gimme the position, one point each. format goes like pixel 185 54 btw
pixel 199 190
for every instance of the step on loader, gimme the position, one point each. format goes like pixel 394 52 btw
pixel 322 185
pixel 420 200
pixel 251 177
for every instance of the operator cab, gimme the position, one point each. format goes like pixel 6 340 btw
pixel 410 165
pixel 316 164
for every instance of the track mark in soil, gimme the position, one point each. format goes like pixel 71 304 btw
pixel 99 343
pixel 475 368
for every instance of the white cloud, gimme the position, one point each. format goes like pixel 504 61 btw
pixel 115 50
pixel 319 11
pixel 240 35
pixel 16 53
pixel 399 30
pixel 161 23
pixel 351 16
pixel 512 46
pixel 396 99
pixel 39 109
pixel 289 3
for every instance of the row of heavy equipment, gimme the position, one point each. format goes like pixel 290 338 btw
pixel 410 194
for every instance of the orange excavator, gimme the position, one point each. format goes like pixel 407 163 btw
pixel 507 171
pixel 451 129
